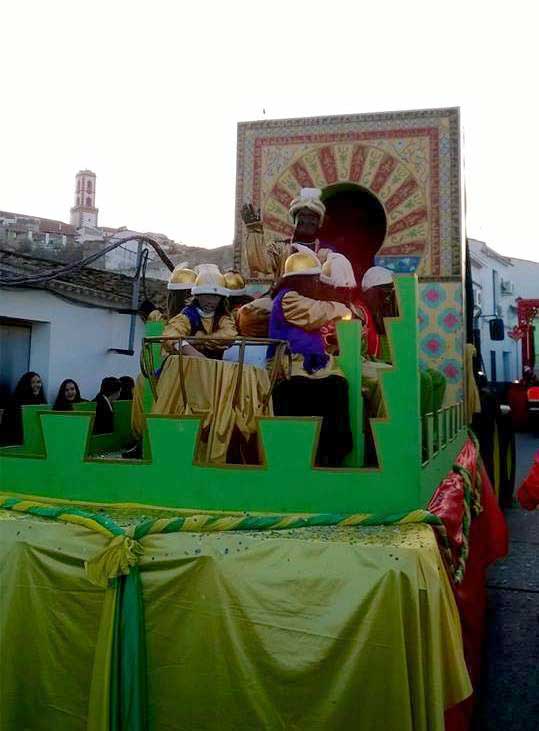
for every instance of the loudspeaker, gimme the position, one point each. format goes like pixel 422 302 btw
pixel 497 329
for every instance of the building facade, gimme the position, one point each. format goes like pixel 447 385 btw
pixel 497 283
pixel 71 326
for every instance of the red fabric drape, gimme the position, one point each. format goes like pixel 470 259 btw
pixel 528 492
pixel 488 541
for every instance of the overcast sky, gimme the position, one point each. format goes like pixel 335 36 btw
pixel 148 95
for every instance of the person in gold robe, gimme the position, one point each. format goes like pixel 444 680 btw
pixel 266 257
pixel 253 318
pixel 205 316
pixel 228 398
pixel 237 294
pixel 316 386
pixel 179 285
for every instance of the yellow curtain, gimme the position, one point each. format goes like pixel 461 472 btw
pixel 50 619
pixel 313 628
pixel 137 408
pixel 210 387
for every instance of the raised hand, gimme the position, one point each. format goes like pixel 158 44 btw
pixel 249 214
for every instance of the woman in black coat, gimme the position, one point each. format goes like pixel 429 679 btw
pixel 29 390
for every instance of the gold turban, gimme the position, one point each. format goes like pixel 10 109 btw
pixel 235 283
pixel 181 278
pixel 302 262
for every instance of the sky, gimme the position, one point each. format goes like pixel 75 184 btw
pixel 148 96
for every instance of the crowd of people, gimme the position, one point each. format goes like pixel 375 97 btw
pixel 30 391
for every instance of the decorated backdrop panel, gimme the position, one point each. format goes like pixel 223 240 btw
pixel 441 334
pixel 408 160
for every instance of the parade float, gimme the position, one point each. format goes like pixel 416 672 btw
pixel 180 591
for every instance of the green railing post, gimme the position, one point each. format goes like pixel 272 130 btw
pixel 349 334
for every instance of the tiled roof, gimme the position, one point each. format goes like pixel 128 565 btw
pixel 84 285
pixel 50 226
pixel 46 225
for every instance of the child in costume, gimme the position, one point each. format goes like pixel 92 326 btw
pixel 179 285
pixel 206 315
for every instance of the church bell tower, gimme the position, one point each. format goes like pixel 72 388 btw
pixel 84 212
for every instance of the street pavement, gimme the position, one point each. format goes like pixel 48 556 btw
pixel 509 696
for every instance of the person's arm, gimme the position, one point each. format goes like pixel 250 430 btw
pixel 178 327
pixel 226 328
pixel 253 318
pixel 311 314
pixel 262 257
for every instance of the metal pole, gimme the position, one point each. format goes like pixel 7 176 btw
pixel 135 298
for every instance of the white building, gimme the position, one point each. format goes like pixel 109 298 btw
pixel 497 282
pixel 71 326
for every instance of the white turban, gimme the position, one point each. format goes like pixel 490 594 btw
pixel 338 271
pixel 308 198
pixel 375 276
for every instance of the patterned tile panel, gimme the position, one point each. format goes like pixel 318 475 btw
pixel 441 333
pixel 409 160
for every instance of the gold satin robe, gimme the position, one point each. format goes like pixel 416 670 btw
pixel 266 257
pixel 180 327
pixel 310 314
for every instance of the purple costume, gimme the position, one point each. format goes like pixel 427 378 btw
pixel 308 344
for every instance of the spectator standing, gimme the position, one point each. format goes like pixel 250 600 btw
pixel 28 391
pixel 68 394
pixel 128 384
pixel 104 413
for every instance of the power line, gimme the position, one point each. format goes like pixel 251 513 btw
pixel 86 261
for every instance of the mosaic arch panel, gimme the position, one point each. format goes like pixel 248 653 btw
pixel 409 160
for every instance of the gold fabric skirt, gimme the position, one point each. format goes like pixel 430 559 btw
pixel 214 394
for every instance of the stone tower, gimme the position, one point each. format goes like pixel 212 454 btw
pixel 84 212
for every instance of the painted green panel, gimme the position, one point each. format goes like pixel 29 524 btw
pixel 32 432
pixel 120 438
pixel 86 406
pixel 349 334
pixel 287 480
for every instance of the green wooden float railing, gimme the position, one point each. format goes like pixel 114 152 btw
pixel 59 456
